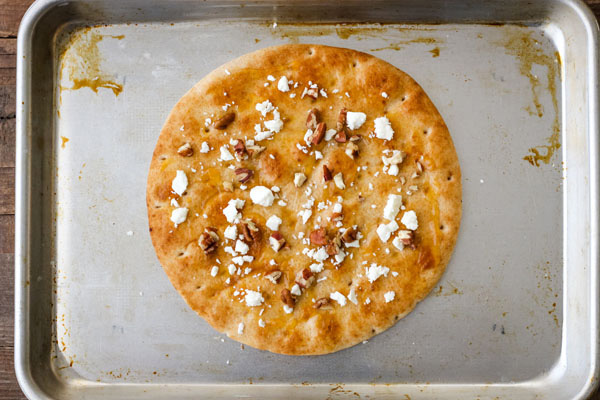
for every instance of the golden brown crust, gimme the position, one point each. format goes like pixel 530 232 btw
pixel 419 131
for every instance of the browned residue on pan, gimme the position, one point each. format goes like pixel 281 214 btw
pixel 399 45
pixel 529 52
pixel 80 61
pixel 64 141
pixel 435 52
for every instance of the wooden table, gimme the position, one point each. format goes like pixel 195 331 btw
pixel 11 12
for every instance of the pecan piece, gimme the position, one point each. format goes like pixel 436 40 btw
pixel 354 138
pixel 250 231
pixel 208 240
pixel 224 121
pixel 313 119
pixel 407 238
pixel 244 174
pixel 274 276
pixel 240 150
pixel 419 166
pixel 276 241
pixel 305 278
pixel 228 186
pixel 323 301
pixel 341 137
pixel 326 174
pixel 351 150
pixel 254 149
pixel 318 134
pixel 287 298
pixel 185 150
pixel 335 246
pixel 337 217
pixel 318 237
pixel 349 235
pixel 341 122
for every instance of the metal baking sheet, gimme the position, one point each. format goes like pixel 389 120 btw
pixel 516 313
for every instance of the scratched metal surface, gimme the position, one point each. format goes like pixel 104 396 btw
pixel 496 320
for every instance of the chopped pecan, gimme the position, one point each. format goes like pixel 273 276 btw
pixel 250 231
pixel 337 217
pixel 224 121
pixel 351 150
pixel 407 238
pixel 326 174
pixel 341 137
pixel 341 122
pixel 254 149
pixel 244 174
pixel 323 301
pixel 419 166
pixel 185 150
pixel 334 246
pixel 287 298
pixel 276 240
pixel 208 240
pixel 228 186
pixel 318 237
pixel 318 134
pixel 349 235
pixel 305 278
pixel 274 276
pixel 311 92
pixel 354 138
pixel 240 150
pixel 313 119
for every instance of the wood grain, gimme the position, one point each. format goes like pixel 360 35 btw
pixel 11 12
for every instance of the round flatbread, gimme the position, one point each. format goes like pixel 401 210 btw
pixel 303 198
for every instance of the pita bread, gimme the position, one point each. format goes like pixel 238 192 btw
pixel 348 258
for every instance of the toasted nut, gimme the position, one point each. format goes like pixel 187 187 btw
pixel 305 278
pixel 402 180
pixel 318 237
pixel 250 231
pixel 337 217
pixel 396 158
pixel 244 174
pixel 185 150
pixel 313 119
pixel 254 149
pixel 322 302
pixel 240 150
pixel 228 186
pixel 287 298
pixel 326 174
pixel 224 121
pixel 299 179
pixel 341 122
pixel 341 137
pixel 351 150
pixel 208 240
pixel 311 92
pixel 333 248
pixel 354 138
pixel 419 167
pixel 274 276
pixel 276 241
pixel 407 238
pixel 338 179
pixel 318 134
pixel 350 235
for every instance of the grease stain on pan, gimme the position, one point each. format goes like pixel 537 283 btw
pixel 529 52
pixel 80 60
pixel 399 45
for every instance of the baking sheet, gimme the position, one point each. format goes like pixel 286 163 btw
pixel 496 317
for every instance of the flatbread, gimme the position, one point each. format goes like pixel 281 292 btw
pixel 378 282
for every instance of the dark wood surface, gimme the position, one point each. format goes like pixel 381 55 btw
pixel 11 12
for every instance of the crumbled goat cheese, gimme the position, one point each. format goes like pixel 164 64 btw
pixel 262 195
pixel 392 207
pixel 383 128
pixel 389 296
pixel 375 271
pixel 409 219
pixel 340 298
pixel 283 84
pixel 253 299
pixel 179 215
pixel 273 222
pixel 204 148
pixel 180 182
pixel 225 154
pixel 230 232
pixel 384 231
pixel 354 120
pixel 299 179
pixel 214 271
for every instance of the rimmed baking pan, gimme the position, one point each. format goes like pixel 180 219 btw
pixel 514 316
